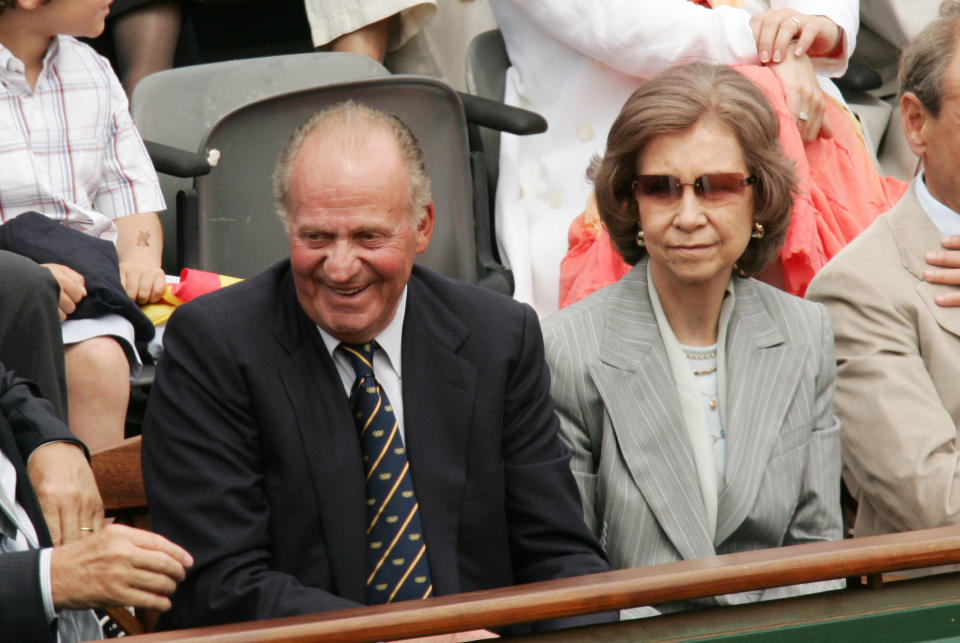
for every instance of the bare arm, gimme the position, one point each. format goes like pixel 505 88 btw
pixel 139 248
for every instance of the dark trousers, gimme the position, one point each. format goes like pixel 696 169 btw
pixel 31 343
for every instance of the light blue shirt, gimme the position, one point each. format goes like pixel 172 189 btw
pixel 946 220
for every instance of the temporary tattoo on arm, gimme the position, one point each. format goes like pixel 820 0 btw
pixel 143 238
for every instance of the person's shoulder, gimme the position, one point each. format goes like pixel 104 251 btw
pixel 244 300
pixel 875 251
pixel 790 313
pixel 590 310
pixel 80 55
pixel 471 303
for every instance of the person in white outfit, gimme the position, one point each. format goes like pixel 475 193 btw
pixel 577 61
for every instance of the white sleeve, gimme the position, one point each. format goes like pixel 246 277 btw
pixel 643 38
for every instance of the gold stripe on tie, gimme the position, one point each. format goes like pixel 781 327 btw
pixel 383 451
pixel 393 490
pixel 393 543
pixel 359 356
pixel 372 415
pixel 403 578
pixel 427 593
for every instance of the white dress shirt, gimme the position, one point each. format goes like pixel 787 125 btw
pixel 946 219
pixel 386 361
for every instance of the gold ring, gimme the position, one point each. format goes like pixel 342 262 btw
pixel 86 529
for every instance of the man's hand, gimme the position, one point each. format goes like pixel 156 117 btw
pixel 947 269
pixel 815 35
pixel 144 283
pixel 72 287
pixel 118 565
pixel 67 491
pixel 804 97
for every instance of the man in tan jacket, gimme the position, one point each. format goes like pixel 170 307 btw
pixel 898 352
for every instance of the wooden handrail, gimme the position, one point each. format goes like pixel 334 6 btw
pixel 118 474
pixel 600 592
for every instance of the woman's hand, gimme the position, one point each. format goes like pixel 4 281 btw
pixel 805 99
pixel 816 36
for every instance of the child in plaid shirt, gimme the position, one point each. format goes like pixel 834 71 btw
pixel 69 149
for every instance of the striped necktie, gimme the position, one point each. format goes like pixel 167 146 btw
pixel 397 568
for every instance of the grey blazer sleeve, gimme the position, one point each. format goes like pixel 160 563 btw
pixel 580 409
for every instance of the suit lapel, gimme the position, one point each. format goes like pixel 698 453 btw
pixel 329 436
pixel 439 394
pixel 915 234
pixel 634 379
pixel 762 374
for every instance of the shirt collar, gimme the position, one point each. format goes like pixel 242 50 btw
pixel 11 64
pixel 946 220
pixel 389 339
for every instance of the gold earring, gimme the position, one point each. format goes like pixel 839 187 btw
pixel 640 242
pixel 758 231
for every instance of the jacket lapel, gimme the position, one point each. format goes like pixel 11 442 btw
pixel 762 375
pixel 439 394
pixel 329 435
pixel 915 234
pixel 635 382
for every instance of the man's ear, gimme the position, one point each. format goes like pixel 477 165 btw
pixel 425 228
pixel 915 120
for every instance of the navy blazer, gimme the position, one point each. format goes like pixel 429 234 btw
pixel 26 422
pixel 252 461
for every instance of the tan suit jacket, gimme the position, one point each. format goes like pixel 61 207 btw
pixel 898 359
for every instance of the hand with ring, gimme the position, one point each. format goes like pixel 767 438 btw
pixel 815 36
pixel 804 97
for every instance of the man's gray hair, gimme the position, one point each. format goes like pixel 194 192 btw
pixel 924 62
pixel 352 121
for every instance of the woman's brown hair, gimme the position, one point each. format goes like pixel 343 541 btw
pixel 674 101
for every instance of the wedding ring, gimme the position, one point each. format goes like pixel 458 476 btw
pixel 803 116
pixel 86 529
pixel 794 18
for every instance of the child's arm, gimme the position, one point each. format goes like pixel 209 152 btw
pixel 139 248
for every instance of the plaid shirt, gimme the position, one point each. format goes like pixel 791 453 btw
pixel 69 148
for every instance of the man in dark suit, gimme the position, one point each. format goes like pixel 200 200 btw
pixel 42 587
pixel 258 454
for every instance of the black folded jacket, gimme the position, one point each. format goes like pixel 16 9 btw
pixel 44 240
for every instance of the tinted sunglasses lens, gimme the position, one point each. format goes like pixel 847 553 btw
pixel 721 186
pixel 657 187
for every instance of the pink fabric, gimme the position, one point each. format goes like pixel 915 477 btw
pixel 840 192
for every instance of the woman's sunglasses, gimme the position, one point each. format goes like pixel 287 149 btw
pixel 717 187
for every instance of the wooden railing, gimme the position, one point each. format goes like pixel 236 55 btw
pixel 601 592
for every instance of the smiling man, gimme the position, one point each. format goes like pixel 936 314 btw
pixel 348 428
